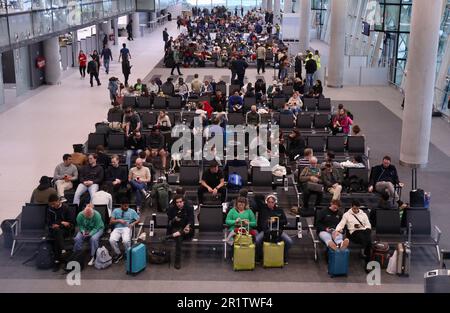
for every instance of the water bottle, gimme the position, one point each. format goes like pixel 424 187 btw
pixel 152 228
pixel 285 179
pixel 299 229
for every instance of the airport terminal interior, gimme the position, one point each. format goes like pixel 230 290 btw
pixel 387 62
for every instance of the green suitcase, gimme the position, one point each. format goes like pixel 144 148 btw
pixel 244 257
pixel 273 254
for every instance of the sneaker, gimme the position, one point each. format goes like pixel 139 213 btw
pixel 344 244
pixel 147 195
pixel 91 262
pixel 117 258
pixel 332 246
pixel 62 199
pixel 99 84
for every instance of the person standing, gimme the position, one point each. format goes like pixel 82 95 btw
pixel 299 65
pixel 82 61
pixel 311 68
pixel 261 58
pixel 107 56
pixel 96 57
pixel 165 36
pixel 240 65
pixel 176 61
pixel 92 70
pixel 126 70
pixel 130 30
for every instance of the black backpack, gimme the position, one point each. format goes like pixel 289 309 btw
pixel 76 256
pixel 45 257
pixel 355 184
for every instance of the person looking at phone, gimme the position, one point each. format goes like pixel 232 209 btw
pixel 359 228
pixel 326 222
pixel 64 176
pixel 138 177
pixel 240 216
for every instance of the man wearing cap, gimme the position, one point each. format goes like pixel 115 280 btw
pixel 268 213
pixel 212 182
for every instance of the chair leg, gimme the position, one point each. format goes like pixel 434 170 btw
pixel 12 248
pixel 438 250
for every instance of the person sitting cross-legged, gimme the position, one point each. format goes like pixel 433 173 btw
pixel 123 220
pixel 326 222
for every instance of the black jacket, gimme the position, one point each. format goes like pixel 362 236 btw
pixel 298 65
pixel 92 67
pixel 239 66
pixel 113 173
pixel 264 214
pixel 327 219
pixel 88 172
pixel 156 141
pixel 63 214
pixel 311 66
pixel 165 35
pixel 185 215
pixel 379 173
pixel 134 144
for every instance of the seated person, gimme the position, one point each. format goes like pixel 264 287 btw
pixel 240 216
pixel 102 158
pixel 341 123
pixel 138 177
pixel 296 144
pixel 153 87
pixel 168 87
pixel 116 108
pixel 295 103
pixel 90 176
pixel 235 102
pixel 134 144
pixel 298 86
pixel 180 224
pixel 206 89
pixel 163 121
pixel 132 122
pixel 269 210
pixel 123 220
pixel 156 146
pixel 212 182
pixel 326 223
pixel 60 222
pixel 218 100
pixel 357 161
pixel 332 180
pixel 78 157
pixel 43 191
pixel 250 91
pixel 64 176
pixel 138 85
pixel 318 89
pixel 359 228
pixel 330 159
pixel 253 118
pixel 311 181
pixel 90 227
pixel 116 177
pixel 103 197
pixel 356 131
pixel 384 178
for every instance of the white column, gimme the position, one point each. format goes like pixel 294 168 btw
pixel 135 25
pixel 52 61
pixel 75 48
pixel 276 11
pixel 337 44
pixel 441 81
pixel 115 25
pixel 305 22
pixel 269 5
pixel 106 28
pixel 2 90
pixel 287 6
pixel 420 82
pixel 264 5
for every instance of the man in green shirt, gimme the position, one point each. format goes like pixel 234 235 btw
pixel 90 226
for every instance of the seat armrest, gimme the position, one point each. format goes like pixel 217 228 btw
pixel 437 234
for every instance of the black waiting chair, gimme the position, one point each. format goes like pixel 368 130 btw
pixel 388 226
pixel 148 119
pixel 304 121
pixel 129 101
pixel 175 103
pixel 336 143
pixel 116 142
pixel 288 90
pixel 316 143
pixel 144 102
pixel 236 119
pixel 94 140
pixel 115 117
pixel 160 103
pixel 324 104
pixel 261 179
pixel 287 121
pixel 232 88
pixel 278 103
pixel 310 104
pixel 241 171
pixel 356 144
pixel 321 121
pixel 30 227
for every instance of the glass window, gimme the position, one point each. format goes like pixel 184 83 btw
pixel 41 4
pixel 42 22
pixel 19 6
pixel 403 46
pixel 98 10
pixel 4 37
pixel 73 13
pixel 87 11
pixel 405 18
pixel 391 16
pixel 60 19
pixel 3 6
pixel 122 5
pixel 20 27
pixel 107 8
pixel 114 6
pixel 59 3
pixel 400 71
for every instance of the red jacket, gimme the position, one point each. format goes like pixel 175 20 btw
pixel 82 59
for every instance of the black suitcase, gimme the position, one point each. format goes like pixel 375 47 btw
pixel 417 198
pixel 437 281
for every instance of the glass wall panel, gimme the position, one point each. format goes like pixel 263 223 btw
pixel 74 13
pixel 20 27
pixel 405 18
pixel 59 3
pixel 391 17
pixel 107 8
pixel 87 11
pixel 3 4
pixel 42 22
pixel 19 6
pixel 98 10
pixel 115 6
pixel 4 36
pixel 122 5
pixel 60 18
pixel 41 4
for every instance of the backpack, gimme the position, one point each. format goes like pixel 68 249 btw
pixel 116 126
pixel 355 184
pixel 162 196
pixel 159 256
pixel 234 181
pixel 45 257
pixel 76 256
pixel 102 258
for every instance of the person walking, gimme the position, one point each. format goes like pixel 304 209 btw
pixel 107 56
pixel 165 35
pixel 82 61
pixel 92 70
pixel 130 30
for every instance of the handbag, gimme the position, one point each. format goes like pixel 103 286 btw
pixel 314 187
pixel 159 256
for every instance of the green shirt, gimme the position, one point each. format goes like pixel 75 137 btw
pixel 91 225
pixel 234 214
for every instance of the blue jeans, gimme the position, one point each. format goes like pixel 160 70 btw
pixel 309 80
pixel 138 187
pixel 326 237
pixel 285 237
pixel 93 241
pixel 106 64
pixel 130 153
pixel 82 189
pixel 282 73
